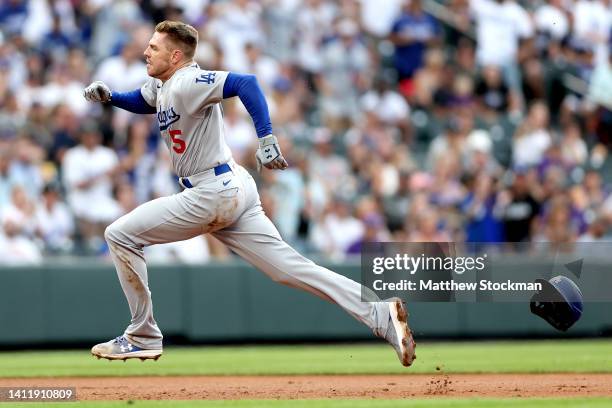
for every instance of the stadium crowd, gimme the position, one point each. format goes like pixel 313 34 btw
pixel 404 120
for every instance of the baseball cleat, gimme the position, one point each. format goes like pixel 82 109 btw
pixel 399 334
pixel 121 349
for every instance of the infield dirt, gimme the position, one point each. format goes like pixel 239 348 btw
pixel 328 386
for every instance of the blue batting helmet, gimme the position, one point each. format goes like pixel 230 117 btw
pixel 559 302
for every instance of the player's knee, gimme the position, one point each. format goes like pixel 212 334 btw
pixel 112 233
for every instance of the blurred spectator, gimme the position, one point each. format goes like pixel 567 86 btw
pixel 551 20
pixel 600 93
pixel 482 224
pixel 446 190
pixel 377 16
pixel 596 194
pixel 56 44
pixel 264 67
pixel 592 24
pixel 13 14
pixel 286 189
pixel 412 32
pixel 428 79
pixel 314 21
pixel 492 90
pixel 573 148
pixel 16 249
pixel 478 155
pixel 7 179
pixel 113 20
pixel 331 169
pixel 240 134
pixel 26 166
pixel 557 229
pixel 12 119
pixel 37 127
pixel 126 197
pixel 428 228
pixel 388 105
pixel 54 221
pixel 374 231
pixel 517 209
pixel 596 232
pixel 138 160
pixel 65 126
pixel 61 88
pixel 532 138
pixel 163 180
pixel 88 171
pixel 17 232
pixel 20 213
pixel 501 25
pixel 280 21
pixel 344 74
pixel 49 21
pixel 237 23
pixel 449 145
pixel 337 229
pixel 123 72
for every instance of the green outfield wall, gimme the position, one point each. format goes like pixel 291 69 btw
pixel 83 302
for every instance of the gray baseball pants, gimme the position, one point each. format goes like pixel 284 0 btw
pixel 228 207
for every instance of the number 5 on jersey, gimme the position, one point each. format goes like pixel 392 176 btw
pixel 178 144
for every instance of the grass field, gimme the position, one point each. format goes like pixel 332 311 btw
pixel 589 356
pixel 568 356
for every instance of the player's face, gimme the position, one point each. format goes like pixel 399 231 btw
pixel 159 57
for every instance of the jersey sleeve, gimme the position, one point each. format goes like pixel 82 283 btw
pixel 149 91
pixel 199 89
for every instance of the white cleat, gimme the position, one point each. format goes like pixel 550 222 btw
pixel 121 349
pixel 399 334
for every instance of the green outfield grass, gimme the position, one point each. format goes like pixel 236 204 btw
pixel 451 357
pixel 420 403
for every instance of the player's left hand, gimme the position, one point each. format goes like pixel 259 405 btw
pixel 269 154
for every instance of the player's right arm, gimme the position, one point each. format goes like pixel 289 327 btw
pixel 137 101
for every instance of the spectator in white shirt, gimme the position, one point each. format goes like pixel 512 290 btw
pixel 377 16
pixel 17 228
pixel 592 24
pixel 550 18
pixel 532 138
pixel 88 171
pixel 19 213
pixel 238 23
pixel 500 27
pixel 313 22
pixel 54 221
pixel 16 249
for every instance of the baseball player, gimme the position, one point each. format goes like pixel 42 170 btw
pixel 220 197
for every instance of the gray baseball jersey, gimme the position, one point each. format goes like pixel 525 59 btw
pixel 190 118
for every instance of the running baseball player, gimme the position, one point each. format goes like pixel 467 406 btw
pixel 220 197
